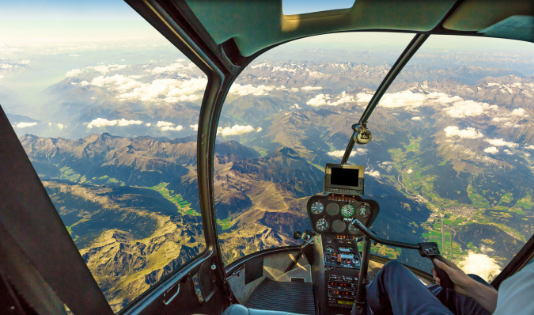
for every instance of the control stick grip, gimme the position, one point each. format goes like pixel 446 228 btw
pixel 430 250
pixel 444 279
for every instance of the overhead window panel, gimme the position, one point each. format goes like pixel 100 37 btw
pixel 290 7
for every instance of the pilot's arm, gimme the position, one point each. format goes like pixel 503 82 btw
pixel 515 295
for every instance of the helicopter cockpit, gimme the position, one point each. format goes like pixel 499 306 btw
pixel 260 157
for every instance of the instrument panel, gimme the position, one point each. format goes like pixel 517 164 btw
pixel 333 213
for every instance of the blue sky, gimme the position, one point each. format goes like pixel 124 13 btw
pixel 86 19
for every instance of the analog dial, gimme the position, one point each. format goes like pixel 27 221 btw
pixel 321 225
pixel 364 211
pixel 332 208
pixel 317 208
pixel 347 211
pixel 330 250
pixel 339 226
pixel 353 229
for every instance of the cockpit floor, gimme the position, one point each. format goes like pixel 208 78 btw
pixel 293 297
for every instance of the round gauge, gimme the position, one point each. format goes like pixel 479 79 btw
pixel 317 208
pixel 347 211
pixel 339 226
pixel 328 240
pixel 332 208
pixel 364 211
pixel 330 250
pixel 321 225
pixel 353 229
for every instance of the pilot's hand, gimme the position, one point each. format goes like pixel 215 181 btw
pixel 463 284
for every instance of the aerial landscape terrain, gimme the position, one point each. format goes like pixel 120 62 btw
pixel 114 144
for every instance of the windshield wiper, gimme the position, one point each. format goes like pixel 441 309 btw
pixel 361 126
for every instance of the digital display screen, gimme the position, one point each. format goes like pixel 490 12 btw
pixel 344 177
pixel 339 284
pixel 345 302
pixel 343 292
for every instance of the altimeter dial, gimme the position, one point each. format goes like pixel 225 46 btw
pixel 321 225
pixel 364 211
pixel 317 208
pixel 347 211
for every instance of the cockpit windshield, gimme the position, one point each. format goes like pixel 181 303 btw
pixel 286 116
pixel 449 160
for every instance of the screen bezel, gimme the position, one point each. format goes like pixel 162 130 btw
pixel 328 176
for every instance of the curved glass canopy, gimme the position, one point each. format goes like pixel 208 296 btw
pixel 151 173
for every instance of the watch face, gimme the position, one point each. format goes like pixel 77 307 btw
pixel 317 208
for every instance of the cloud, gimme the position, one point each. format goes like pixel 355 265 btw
pixel 492 150
pixel 102 122
pixel 416 118
pixel 194 127
pixel 148 124
pixel 182 98
pixel 311 88
pixel 235 130
pixel 324 99
pixel 501 143
pixel 402 99
pixel 250 89
pixel 497 119
pixel 480 264
pixel 74 72
pixel 468 133
pixel 165 125
pixel 25 124
pixel 50 124
pixel 1 76
pixel 136 76
pixel 519 112
pixel 340 153
pixel 24 62
pixel 508 152
pixel 373 173
pixel 409 171
pixel 176 90
pixel 259 129
pixel 469 108
pixel 60 126
pixel 108 68
pixel 118 81
pixel 530 147
pixel 173 67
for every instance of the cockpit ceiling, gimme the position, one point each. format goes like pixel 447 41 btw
pixel 258 24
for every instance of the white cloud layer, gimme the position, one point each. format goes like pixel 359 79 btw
pixel 373 173
pixel 74 72
pixel 102 122
pixel 469 108
pixel 24 124
pixel 168 126
pixel 468 133
pixel 250 89
pixel 501 143
pixel 106 69
pixel 326 99
pixel 235 130
pixel 480 264
pixel 492 150
pixel 340 153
